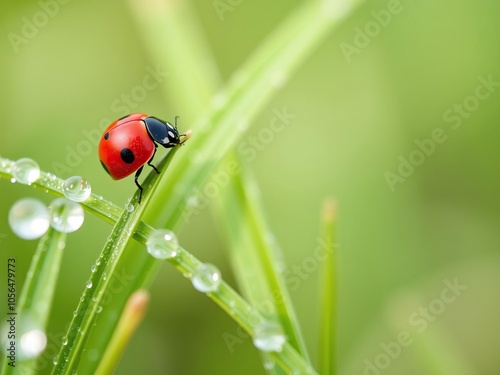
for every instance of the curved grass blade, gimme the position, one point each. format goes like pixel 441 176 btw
pixel 255 255
pixel 36 298
pixel 91 301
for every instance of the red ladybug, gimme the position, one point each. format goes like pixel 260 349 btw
pixel 130 142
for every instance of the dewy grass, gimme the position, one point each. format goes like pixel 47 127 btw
pixel 226 297
pixel 91 302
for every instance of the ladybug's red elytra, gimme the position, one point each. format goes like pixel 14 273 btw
pixel 130 142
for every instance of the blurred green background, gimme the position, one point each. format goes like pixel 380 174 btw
pixel 360 116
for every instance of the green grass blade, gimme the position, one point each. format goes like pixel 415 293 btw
pixel 254 255
pixel 91 302
pixel 246 315
pixel 132 315
pixel 327 333
pixel 37 295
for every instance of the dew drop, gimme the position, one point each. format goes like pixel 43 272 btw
pixel 77 189
pixel 92 269
pixel 26 171
pixel 89 284
pixel 75 313
pixel 29 218
pixel 162 244
pixel 64 341
pixel 129 207
pixel 54 360
pixel 32 343
pixel 67 216
pixel 269 337
pixel 206 278
pixel 99 309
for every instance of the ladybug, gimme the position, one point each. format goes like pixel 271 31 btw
pixel 131 141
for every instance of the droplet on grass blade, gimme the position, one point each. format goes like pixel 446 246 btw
pixel 206 278
pixel 26 171
pixel 77 189
pixel 29 218
pixel 162 244
pixel 269 337
pixel 67 216
pixel 33 342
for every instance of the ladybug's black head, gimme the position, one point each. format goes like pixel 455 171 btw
pixel 162 132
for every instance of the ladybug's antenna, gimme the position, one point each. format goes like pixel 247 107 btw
pixel 176 117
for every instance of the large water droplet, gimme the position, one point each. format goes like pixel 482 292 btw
pixel 162 244
pixel 67 216
pixel 269 337
pixel 64 341
pixel 26 171
pixel 32 343
pixel 89 284
pixel 206 278
pixel 29 218
pixel 77 189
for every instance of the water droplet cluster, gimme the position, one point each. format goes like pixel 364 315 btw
pixel 29 218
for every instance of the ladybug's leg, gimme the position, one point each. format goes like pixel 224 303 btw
pixel 150 160
pixel 137 174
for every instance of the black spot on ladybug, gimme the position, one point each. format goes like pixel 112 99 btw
pixel 106 136
pixel 127 155
pixel 104 166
